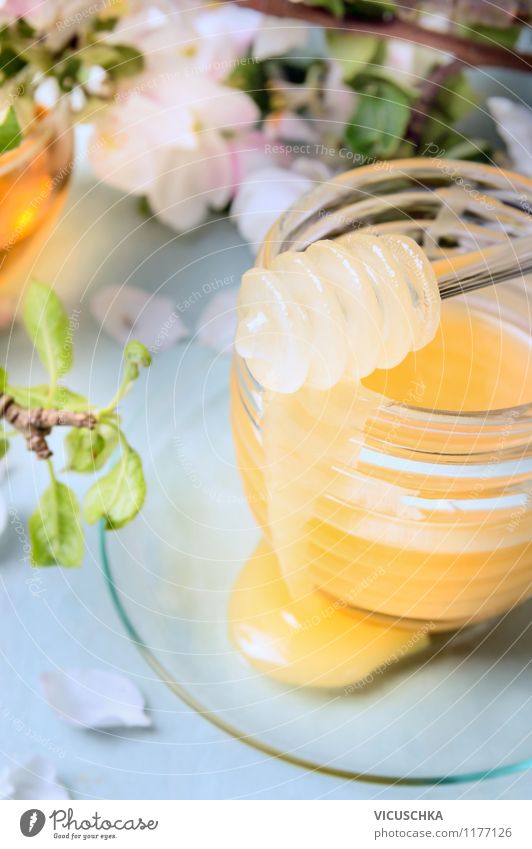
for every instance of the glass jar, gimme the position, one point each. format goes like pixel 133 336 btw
pixel 33 181
pixel 418 517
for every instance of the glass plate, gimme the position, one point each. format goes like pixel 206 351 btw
pixel 459 712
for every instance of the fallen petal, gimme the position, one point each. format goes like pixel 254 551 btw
pixel 34 778
pixel 127 312
pixel 95 698
pixel 216 326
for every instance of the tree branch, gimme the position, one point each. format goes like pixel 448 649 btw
pixel 36 424
pixel 472 53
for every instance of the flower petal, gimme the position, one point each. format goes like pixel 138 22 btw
pixel 289 126
pixel 127 312
pixel 216 327
pixel 278 36
pixel 33 778
pixel 95 698
pixel 262 197
pixel 190 183
pixel 514 125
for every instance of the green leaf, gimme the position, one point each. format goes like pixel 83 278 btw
pixel 10 63
pixel 144 208
pixel 102 54
pixel 48 326
pixel 128 62
pixel 379 123
pixel 88 450
pixel 68 75
pixel 456 98
pixel 371 9
pixel 490 35
pixel 25 29
pixel 119 60
pixel 367 81
pixel 353 52
pixel 56 535
pixel 105 24
pixel 252 78
pixel 10 131
pixel 136 356
pixel 39 396
pixel 472 149
pixel 4 446
pixel 118 496
pixel 3 379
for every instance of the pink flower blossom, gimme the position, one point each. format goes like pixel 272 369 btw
pixel 172 141
pixel 56 20
pixel 189 39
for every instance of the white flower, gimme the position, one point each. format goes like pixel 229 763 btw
pixel 95 698
pixel 190 183
pixel 97 81
pixel 127 312
pixel 33 778
pixel 337 105
pixel 172 141
pixel 180 39
pixel 192 180
pixel 56 21
pixel 278 36
pixel 124 151
pixel 411 63
pixel 265 194
pixel 47 93
pixel 290 126
pixel 38 13
pixel 162 32
pixel 514 125
pixel 225 35
pixel 252 152
pixel 211 38
pixel 327 101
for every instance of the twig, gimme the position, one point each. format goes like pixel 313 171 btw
pixel 36 424
pixel 471 53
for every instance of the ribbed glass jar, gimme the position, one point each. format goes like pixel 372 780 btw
pixel 418 516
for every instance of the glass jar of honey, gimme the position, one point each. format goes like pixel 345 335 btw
pixel 403 502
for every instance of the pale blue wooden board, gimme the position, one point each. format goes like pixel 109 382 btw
pixel 70 621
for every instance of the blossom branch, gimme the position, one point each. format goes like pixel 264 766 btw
pixel 470 52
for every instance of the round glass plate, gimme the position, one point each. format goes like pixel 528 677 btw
pixel 459 712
